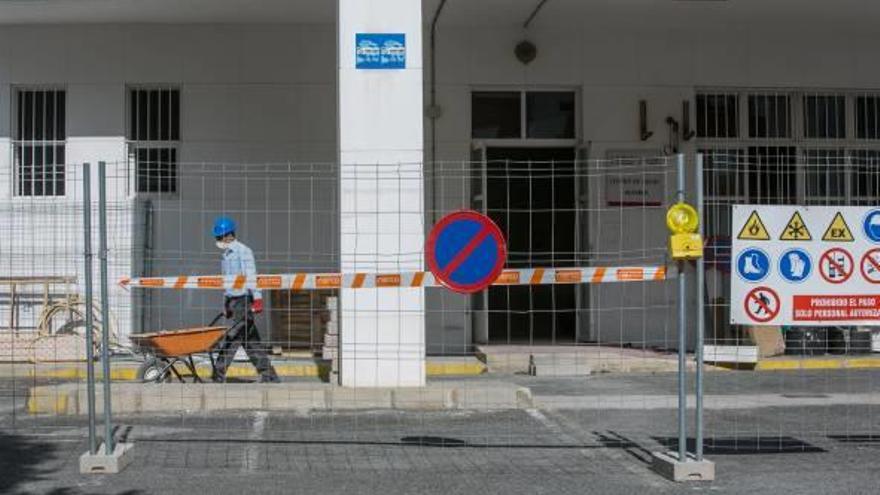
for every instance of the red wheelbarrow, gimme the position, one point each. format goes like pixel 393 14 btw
pixel 166 349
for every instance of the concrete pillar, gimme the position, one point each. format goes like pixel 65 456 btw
pixel 382 339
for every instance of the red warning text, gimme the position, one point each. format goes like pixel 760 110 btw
pixel 836 308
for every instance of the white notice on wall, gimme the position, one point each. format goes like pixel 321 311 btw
pixel 637 189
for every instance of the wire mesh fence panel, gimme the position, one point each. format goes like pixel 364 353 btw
pixel 584 289
pixel 573 347
pixel 806 149
pixel 42 287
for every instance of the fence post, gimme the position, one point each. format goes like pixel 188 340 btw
pixel 701 313
pixel 89 303
pixel 682 327
pixel 678 466
pixel 105 305
pixel 115 457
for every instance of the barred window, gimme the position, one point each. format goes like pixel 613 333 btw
pixel 153 136
pixel 717 116
pixel 868 117
pixel 39 144
pixel 825 116
pixel 769 116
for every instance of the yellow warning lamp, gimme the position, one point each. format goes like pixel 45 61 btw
pixel 684 243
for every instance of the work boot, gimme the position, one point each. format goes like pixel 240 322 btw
pixel 270 379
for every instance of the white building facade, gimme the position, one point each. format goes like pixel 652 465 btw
pixel 235 91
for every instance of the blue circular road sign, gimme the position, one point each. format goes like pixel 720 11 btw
pixel 466 251
pixel 753 265
pixel 795 265
pixel 871 226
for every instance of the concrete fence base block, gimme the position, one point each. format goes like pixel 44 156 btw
pixel 102 463
pixel 670 467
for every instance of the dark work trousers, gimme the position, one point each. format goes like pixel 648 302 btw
pixel 242 333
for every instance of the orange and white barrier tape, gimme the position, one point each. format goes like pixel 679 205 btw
pixel 307 281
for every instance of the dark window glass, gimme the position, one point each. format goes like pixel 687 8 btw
pixel 868 117
pixel 866 175
pixel 61 114
pixel 142 110
pixel 769 116
pixel 156 170
pixel 724 173
pixel 825 117
pixel 825 175
pixel 772 175
pixel 550 115
pixel 175 115
pixel 496 115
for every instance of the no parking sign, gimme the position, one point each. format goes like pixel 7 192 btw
pixel 466 251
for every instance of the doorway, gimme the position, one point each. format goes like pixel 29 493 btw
pixel 531 193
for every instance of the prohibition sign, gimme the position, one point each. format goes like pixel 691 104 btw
pixel 466 251
pixel 762 304
pixel 870 266
pixel 836 265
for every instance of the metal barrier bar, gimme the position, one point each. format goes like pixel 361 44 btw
pixel 305 281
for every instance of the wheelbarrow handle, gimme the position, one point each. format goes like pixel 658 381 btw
pixel 216 319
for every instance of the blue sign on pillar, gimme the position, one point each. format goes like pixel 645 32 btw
pixel 380 51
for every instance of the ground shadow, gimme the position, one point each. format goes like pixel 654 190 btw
pixel 413 441
pixel 23 459
pixel 77 491
pixel 745 445
pixel 614 440
pixel 26 459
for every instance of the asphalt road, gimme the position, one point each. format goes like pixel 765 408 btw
pixel 769 448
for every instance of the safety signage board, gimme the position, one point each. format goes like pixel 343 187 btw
pixel 805 265
pixel 466 251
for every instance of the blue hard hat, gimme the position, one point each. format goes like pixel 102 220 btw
pixel 223 226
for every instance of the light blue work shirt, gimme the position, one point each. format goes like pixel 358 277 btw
pixel 238 259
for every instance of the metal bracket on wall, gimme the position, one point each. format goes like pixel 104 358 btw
pixel 644 133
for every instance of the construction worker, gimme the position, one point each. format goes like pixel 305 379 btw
pixel 240 305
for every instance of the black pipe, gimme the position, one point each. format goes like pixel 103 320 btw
pixel 434 107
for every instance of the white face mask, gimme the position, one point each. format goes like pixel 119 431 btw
pixel 223 245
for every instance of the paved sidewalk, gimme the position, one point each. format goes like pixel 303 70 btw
pixel 442 452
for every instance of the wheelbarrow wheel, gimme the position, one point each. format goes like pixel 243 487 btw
pixel 151 371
